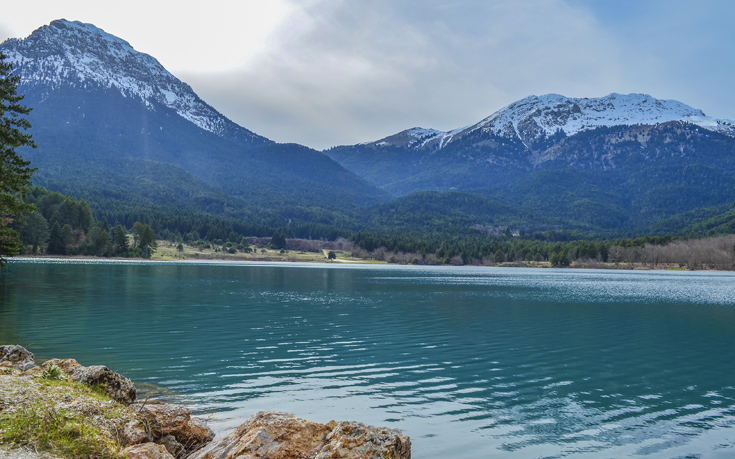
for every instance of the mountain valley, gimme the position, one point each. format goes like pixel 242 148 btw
pixel 117 129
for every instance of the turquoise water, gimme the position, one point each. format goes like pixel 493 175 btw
pixel 470 362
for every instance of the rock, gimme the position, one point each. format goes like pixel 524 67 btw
pixel 196 434
pixel 172 446
pixel 15 452
pixel 133 433
pixel 68 366
pixel 117 386
pixel 147 430
pixel 147 451
pixel 165 431
pixel 163 419
pixel 354 440
pixel 15 356
pixel 277 435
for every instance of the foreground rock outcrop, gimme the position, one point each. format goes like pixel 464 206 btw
pixel 14 356
pixel 152 430
pixel 124 428
pixel 117 386
pixel 173 426
pixel 277 435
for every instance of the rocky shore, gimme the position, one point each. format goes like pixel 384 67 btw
pixel 61 409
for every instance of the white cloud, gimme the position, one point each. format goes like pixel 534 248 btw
pixel 216 35
pixel 341 72
pixel 328 72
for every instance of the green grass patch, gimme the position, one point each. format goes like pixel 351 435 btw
pixel 59 431
pixel 52 372
pixel 62 417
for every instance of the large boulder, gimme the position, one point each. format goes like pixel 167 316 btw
pixel 147 451
pixel 15 356
pixel 278 435
pixel 117 386
pixel 354 440
pixel 173 426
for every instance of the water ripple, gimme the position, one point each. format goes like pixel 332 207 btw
pixel 470 362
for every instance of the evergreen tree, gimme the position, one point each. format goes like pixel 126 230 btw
pixel 103 225
pixel 120 240
pixel 67 236
pixel 15 175
pixel 34 231
pixel 145 238
pixel 56 244
pixel 98 243
pixel 278 241
pixel 563 259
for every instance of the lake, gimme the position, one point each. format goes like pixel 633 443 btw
pixel 470 362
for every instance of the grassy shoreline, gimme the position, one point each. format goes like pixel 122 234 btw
pixel 58 417
pixel 290 258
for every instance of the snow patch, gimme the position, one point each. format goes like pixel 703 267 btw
pixel 553 112
pixel 78 54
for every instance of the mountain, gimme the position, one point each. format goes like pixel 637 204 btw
pixel 536 119
pixel 515 137
pixel 621 162
pixel 115 127
pixel 68 54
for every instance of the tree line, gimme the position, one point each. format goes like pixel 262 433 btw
pixel 61 225
pixel 716 252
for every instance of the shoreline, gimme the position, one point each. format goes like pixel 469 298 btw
pixel 602 266
pixel 62 409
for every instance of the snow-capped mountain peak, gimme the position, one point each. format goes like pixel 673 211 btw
pixel 72 53
pixel 538 116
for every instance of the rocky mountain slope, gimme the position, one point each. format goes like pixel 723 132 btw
pixel 536 119
pixel 621 161
pixel 73 54
pixel 518 136
pixel 116 128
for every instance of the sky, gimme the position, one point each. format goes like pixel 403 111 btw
pixel 337 72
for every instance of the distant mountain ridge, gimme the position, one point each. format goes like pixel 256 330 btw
pixel 72 53
pixel 517 139
pixel 539 117
pixel 616 162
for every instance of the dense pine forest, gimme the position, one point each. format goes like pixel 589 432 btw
pixel 62 225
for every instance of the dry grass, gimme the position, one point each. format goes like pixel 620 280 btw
pixel 168 251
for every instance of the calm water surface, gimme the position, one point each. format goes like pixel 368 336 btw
pixel 470 362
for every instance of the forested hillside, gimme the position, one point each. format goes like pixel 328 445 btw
pixel 115 128
pixel 621 179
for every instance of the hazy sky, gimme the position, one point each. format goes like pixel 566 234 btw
pixel 332 72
